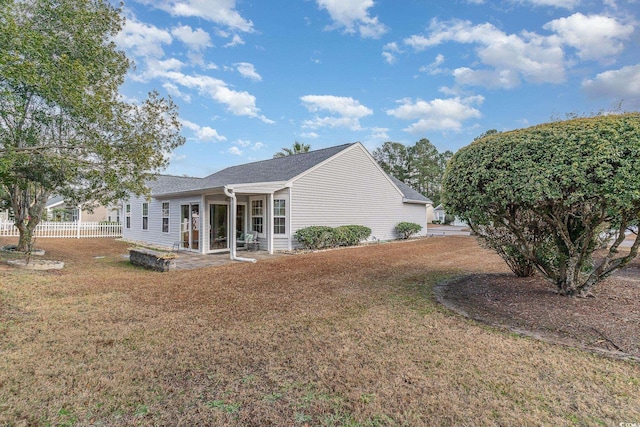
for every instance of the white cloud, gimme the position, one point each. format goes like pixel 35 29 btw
pixel 532 57
pixel 347 111
pixel 173 90
pixel 566 4
pixel 505 79
pixel 309 135
pixel 222 12
pixel 258 146
pixel 142 39
pixel 596 37
pixel 235 151
pixel 389 52
pixel 247 70
pixel 203 133
pixel 434 67
pixel 238 103
pixel 235 41
pixel 380 134
pixel 353 16
pixel 438 114
pixel 622 84
pixel 510 58
pixel 196 40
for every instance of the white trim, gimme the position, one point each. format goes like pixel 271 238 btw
pixel 204 239
pixel 162 217
pixel 143 216
pixel 280 235
pixel 264 214
pixel 289 221
pixel 270 226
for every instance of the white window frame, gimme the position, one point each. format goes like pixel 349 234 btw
pixel 127 214
pixel 262 214
pixel 145 224
pixel 280 214
pixel 166 215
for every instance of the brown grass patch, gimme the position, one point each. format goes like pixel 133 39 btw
pixel 345 337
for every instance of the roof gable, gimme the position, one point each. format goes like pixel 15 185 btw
pixel 271 170
pixel 409 193
pixel 279 169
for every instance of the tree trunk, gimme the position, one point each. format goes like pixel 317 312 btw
pixel 28 201
pixel 569 280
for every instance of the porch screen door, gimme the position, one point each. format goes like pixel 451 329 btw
pixel 240 218
pixel 190 226
pixel 218 238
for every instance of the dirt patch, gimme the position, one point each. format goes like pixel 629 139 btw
pixel 608 323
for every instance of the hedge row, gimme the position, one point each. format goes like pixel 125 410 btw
pixel 319 236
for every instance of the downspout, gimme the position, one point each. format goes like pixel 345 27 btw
pixel 232 229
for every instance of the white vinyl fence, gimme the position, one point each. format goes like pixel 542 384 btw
pixel 75 229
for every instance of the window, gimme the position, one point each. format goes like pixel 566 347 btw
pixel 127 214
pixel 165 217
pixel 257 215
pixel 279 220
pixel 145 216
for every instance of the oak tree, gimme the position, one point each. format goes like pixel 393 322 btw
pixel 64 127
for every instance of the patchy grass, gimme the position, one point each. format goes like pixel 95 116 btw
pixel 350 337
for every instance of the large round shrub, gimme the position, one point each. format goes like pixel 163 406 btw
pixel 554 188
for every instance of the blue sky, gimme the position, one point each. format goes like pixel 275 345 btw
pixel 253 76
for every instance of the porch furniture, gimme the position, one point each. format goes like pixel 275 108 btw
pixel 251 241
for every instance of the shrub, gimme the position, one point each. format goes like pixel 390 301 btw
pixel 407 229
pixel 319 236
pixel 350 235
pixel 552 189
pixel 315 237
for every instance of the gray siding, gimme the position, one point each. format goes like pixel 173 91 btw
pixel 351 189
pixel 154 234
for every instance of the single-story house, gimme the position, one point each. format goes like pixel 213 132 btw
pixel 273 198
pixel 440 214
pixel 58 210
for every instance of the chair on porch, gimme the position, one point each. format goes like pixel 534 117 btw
pixel 251 241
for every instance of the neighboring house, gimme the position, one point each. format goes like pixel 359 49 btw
pixel 439 214
pixel 274 198
pixel 58 210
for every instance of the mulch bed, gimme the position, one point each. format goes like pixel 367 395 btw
pixel 609 323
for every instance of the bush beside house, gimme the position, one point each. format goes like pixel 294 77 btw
pixel 319 236
pixel 407 229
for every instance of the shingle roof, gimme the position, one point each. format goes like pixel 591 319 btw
pixel 410 193
pixel 163 184
pixel 272 170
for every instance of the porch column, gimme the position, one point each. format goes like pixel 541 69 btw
pixel 204 226
pixel 231 232
pixel 270 225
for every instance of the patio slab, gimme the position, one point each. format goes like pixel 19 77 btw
pixel 190 261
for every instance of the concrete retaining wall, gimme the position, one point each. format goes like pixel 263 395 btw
pixel 157 261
